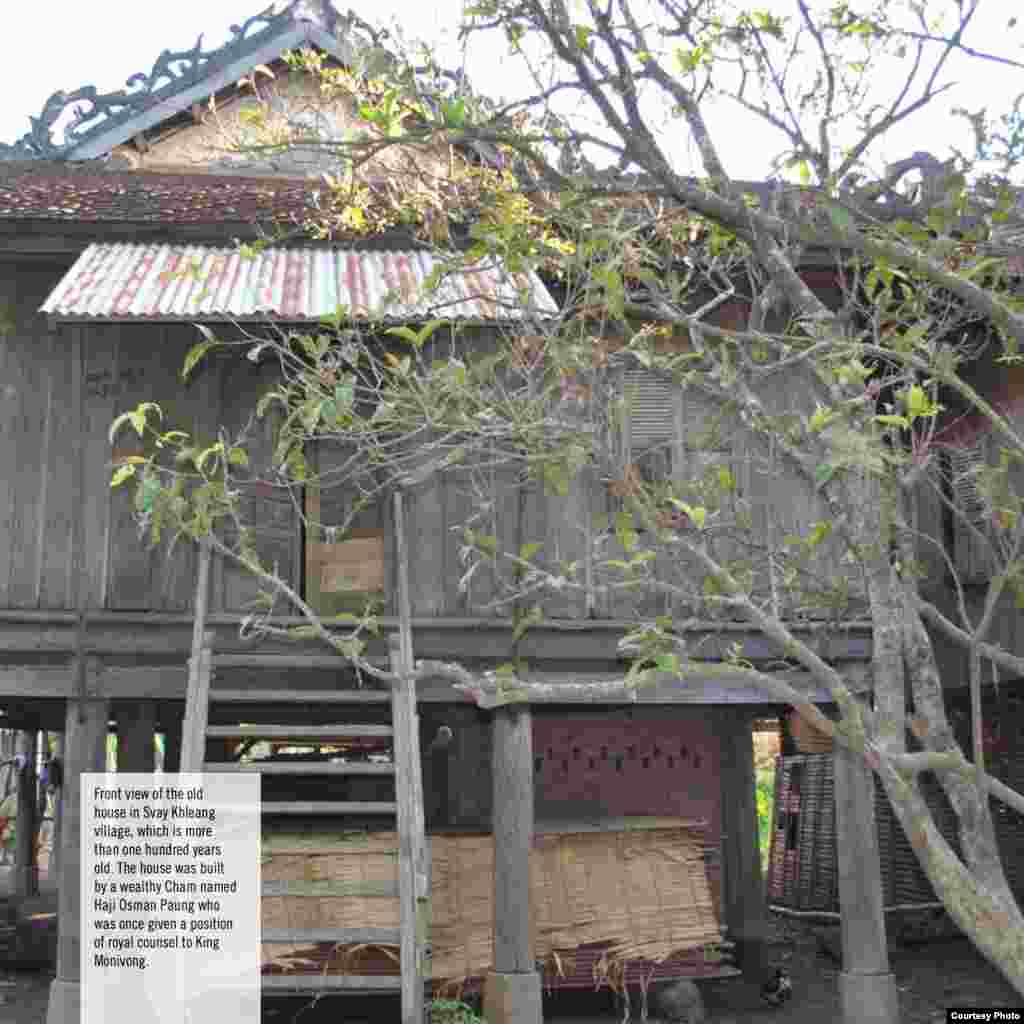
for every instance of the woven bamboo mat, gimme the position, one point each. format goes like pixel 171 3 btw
pixel 643 892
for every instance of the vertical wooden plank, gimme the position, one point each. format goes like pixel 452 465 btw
pixel 130 564
pixel 53 869
pixel 85 736
pixel 172 725
pixel 11 342
pixel 745 910
pixel 31 379
pixel 459 506
pixel 26 879
pixel 513 835
pixel 173 564
pixel 96 345
pixel 563 525
pixel 427 527
pixel 135 726
pixel 266 507
pixel 197 698
pixel 58 498
pixel 410 841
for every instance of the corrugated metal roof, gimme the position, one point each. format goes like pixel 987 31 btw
pixel 115 281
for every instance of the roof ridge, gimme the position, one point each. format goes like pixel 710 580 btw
pixel 171 73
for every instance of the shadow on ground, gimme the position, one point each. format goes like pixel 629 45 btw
pixel 931 976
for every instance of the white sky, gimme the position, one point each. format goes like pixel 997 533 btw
pixel 103 42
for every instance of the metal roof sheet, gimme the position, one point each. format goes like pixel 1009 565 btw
pixel 123 281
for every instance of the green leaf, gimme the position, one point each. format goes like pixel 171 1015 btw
pixel 195 353
pixel 523 621
pixel 893 421
pixel 625 532
pixel 345 392
pixel 822 418
pixel 121 474
pixel 211 452
pixel 840 216
pixel 527 551
pixel 819 533
pixel 582 33
pixel 238 457
pixel 667 663
pixel 823 473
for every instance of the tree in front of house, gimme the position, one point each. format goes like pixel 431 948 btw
pixel 818 339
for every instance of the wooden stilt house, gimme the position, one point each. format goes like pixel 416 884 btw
pixel 650 794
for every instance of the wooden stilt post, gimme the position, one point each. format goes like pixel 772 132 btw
pixel 136 721
pixel 512 994
pixel 26 881
pixel 85 739
pixel 744 907
pixel 172 743
pixel 867 987
pixel 58 811
pixel 414 855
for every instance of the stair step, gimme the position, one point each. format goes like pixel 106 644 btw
pixel 325 807
pixel 378 936
pixel 256 696
pixel 294 732
pixel 330 982
pixel 329 887
pixel 301 768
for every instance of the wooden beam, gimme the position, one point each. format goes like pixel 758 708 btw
pixel 169 682
pixel 444 637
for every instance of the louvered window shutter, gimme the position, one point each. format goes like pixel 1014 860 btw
pixel 972 553
pixel 652 410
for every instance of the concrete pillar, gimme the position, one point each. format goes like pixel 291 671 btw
pixel 512 992
pixel 26 872
pixel 85 738
pixel 744 905
pixel 136 720
pixel 867 987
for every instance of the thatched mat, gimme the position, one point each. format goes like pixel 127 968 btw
pixel 645 892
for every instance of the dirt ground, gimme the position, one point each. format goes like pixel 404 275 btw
pixel 931 976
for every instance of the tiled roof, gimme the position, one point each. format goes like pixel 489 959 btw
pixel 178 282
pixel 50 191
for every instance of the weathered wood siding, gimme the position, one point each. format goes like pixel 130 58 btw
pixel 62 389
pixel 37 424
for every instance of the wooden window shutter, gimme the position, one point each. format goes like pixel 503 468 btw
pixel 652 397
pixel 972 527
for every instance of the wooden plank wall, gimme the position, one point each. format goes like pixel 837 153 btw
pixel 44 394
pixel 37 423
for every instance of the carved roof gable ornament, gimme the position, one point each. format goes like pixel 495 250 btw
pixel 179 78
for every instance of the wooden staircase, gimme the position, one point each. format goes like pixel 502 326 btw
pixel 368 713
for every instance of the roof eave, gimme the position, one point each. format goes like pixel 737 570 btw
pixel 303 33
